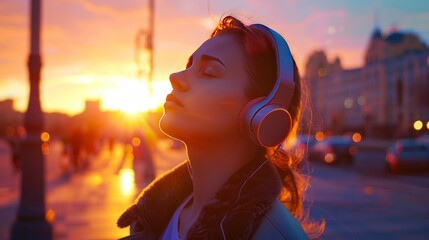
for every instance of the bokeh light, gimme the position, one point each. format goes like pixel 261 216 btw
pixel 95 179
pixel 348 103
pixel 50 216
pixel 127 178
pixel 319 136
pixel 329 158
pixel 418 125
pixel 322 72
pixel 45 136
pixel 135 141
pixel 356 137
pixel 45 148
pixel 361 100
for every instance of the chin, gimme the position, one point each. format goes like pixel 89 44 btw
pixel 179 129
pixel 169 127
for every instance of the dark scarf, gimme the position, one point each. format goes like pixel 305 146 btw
pixel 238 204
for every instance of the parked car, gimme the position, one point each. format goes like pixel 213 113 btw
pixel 305 144
pixel 407 155
pixel 333 150
pixel 424 139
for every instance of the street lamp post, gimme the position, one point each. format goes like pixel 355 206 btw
pixel 144 42
pixel 31 222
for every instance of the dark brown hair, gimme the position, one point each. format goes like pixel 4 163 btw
pixel 261 64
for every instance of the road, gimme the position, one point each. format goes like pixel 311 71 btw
pixel 363 201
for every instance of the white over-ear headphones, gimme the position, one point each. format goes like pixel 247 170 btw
pixel 267 120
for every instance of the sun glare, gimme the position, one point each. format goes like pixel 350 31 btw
pixel 133 96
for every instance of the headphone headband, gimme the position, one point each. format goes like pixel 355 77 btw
pixel 268 121
pixel 284 86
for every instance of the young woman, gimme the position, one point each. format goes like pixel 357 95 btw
pixel 237 183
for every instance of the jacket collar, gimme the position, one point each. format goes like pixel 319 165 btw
pixel 233 213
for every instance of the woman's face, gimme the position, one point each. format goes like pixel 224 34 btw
pixel 208 95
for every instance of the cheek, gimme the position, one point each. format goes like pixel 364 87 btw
pixel 222 108
pixel 224 115
pixel 204 117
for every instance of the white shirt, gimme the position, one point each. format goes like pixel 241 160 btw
pixel 172 230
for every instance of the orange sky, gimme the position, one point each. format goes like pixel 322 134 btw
pixel 88 47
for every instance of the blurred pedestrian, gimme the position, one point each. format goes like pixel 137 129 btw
pixel 111 143
pixel 143 161
pixel 14 143
pixel 76 147
pixel 237 101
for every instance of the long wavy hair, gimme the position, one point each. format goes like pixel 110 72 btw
pixel 261 64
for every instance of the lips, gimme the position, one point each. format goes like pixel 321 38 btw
pixel 173 99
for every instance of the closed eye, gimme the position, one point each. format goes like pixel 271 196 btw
pixel 209 71
pixel 209 75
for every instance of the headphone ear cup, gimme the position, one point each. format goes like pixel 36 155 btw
pixel 270 126
pixel 244 124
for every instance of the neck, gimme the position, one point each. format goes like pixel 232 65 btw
pixel 213 164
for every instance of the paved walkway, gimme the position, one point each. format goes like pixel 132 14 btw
pixel 86 204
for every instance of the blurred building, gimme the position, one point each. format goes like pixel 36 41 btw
pixel 6 105
pixel 90 120
pixel 92 107
pixel 383 98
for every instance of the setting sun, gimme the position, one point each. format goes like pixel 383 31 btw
pixel 133 96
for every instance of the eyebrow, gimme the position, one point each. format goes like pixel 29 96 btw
pixel 206 57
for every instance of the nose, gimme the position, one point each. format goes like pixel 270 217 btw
pixel 179 81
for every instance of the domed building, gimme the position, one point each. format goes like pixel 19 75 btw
pixel 393 45
pixel 381 99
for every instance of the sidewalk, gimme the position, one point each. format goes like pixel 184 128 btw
pixel 86 204
pixel 10 179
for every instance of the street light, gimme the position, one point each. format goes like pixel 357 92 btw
pixel 31 221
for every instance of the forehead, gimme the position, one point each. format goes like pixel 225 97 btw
pixel 225 47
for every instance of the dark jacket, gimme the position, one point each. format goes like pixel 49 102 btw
pixel 246 207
